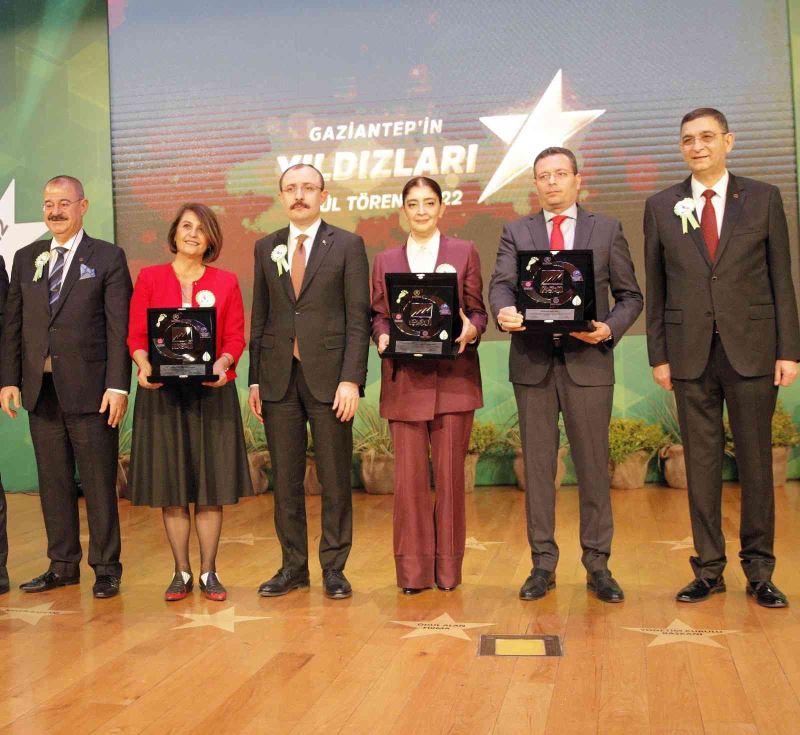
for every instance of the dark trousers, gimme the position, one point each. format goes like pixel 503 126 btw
pixel 3 532
pixel 429 537
pixel 587 413
pixel 285 426
pixel 751 403
pixel 59 439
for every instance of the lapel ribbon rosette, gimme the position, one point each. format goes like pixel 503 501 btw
pixel 278 256
pixel 40 263
pixel 685 210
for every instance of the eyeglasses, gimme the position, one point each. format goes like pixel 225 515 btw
pixel 559 176
pixel 706 139
pixel 291 189
pixel 61 204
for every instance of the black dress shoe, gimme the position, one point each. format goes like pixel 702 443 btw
pixel 106 585
pixel 282 583
pixel 335 584
pixel 604 586
pixel 412 590
pixel 48 581
pixel 178 589
pixel 212 588
pixel 700 589
pixel 767 594
pixel 537 585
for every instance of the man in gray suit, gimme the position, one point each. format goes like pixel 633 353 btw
pixel 572 373
pixel 722 327
pixel 4 586
pixel 308 362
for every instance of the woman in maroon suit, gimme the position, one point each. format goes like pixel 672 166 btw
pixel 188 444
pixel 430 403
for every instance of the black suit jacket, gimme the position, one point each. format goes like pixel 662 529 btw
pixel 330 318
pixel 531 354
pixel 3 293
pixel 85 334
pixel 747 290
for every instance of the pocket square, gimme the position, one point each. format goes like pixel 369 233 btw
pixel 86 272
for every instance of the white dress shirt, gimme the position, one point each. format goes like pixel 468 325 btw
pixel 294 231
pixel 422 256
pixel 718 200
pixel 567 226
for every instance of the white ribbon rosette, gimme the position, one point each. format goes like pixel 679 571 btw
pixel 278 256
pixel 40 263
pixel 205 299
pixel 445 268
pixel 685 210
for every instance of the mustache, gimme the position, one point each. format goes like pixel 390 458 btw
pixel 56 218
pixel 299 204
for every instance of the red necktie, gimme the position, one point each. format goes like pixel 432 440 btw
pixel 298 271
pixel 708 224
pixel 556 236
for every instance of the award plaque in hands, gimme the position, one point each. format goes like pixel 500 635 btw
pixel 556 290
pixel 181 344
pixel 423 315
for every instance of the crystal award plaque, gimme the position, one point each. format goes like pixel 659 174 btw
pixel 181 344
pixel 556 290
pixel 423 315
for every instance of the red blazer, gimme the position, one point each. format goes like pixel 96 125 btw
pixel 417 390
pixel 157 285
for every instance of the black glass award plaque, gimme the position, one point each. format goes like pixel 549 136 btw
pixel 423 315
pixel 556 290
pixel 181 344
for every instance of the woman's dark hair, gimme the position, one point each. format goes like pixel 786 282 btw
pixel 210 225
pixel 422 181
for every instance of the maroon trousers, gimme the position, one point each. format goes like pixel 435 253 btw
pixel 429 535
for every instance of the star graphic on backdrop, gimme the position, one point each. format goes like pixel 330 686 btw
pixel 678 632
pixel 247 539
pixel 15 235
pixel 527 134
pixel 443 625
pixel 224 620
pixel 473 543
pixel 32 615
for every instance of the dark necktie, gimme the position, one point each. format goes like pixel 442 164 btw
pixel 56 276
pixel 708 224
pixel 556 236
pixel 298 271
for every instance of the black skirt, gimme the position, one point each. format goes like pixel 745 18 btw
pixel 188 447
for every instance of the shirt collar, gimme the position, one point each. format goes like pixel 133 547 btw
pixel 430 245
pixel 571 212
pixel 311 231
pixel 69 244
pixel 720 188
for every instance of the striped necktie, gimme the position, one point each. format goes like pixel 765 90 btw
pixel 56 276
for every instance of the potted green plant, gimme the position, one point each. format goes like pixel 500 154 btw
pixel 124 454
pixel 670 455
pixel 373 442
pixel 311 483
pixel 513 439
pixel 258 460
pixel 484 437
pixel 631 444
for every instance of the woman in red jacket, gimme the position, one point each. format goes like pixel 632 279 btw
pixel 430 403
pixel 188 443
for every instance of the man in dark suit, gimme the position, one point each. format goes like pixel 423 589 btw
pixel 722 328
pixel 308 361
pixel 570 373
pixel 63 345
pixel 3 520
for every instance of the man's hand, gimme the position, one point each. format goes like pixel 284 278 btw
pixel 220 370
pixel 116 404
pixel 510 320
pixel 663 376
pixel 145 371
pixel 254 401
pixel 468 332
pixel 785 373
pixel 345 401
pixel 383 343
pixel 600 334
pixel 8 395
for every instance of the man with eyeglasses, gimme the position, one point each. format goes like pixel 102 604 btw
pixel 722 330
pixel 64 353
pixel 571 374
pixel 308 363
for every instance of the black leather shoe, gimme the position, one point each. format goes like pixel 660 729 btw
pixel 537 585
pixel 700 589
pixel 178 589
pixel 335 584
pixel 604 586
pixel 105 586
pixel 4 585
pixel 212 588
pixel 48 581
pixel 446 589
pixel 767 594
pixel 282 583
pixel 412 590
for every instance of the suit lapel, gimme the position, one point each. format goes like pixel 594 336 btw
pixel 734 201
pixel 684 191
pixel 538 228
pixel 282 238
pixel 83 253
pixel 322 244
pixel 42 285
pixel 583 230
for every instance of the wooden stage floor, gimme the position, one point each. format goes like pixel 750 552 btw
pixel 306 664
